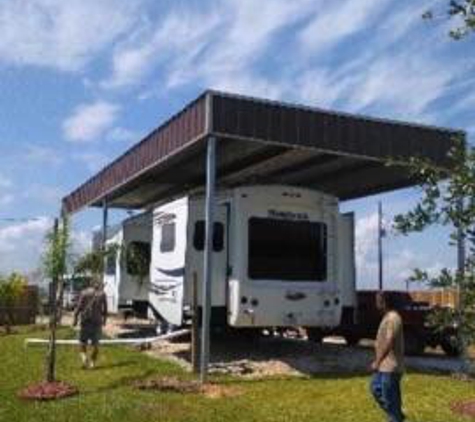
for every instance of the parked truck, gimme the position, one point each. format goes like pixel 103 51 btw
pixel 419 333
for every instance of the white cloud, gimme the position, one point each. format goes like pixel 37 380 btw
pixel 5 182
pixel 215 47
pixel 61 34
pixel 181 34
pixel 89 121
pixel 6 195
pixel 81 242
pixel 336 22
pixel 43 155
pixel 44 193
pixel 22 245
pixel 404 84
pixel 93 161
pixel 122 134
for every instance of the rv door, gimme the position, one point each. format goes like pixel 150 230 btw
pixel 220 259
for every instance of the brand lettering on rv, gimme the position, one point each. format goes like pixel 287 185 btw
pixel 288 215
pixel 163 218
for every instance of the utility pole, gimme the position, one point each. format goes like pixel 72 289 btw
pixel 381 234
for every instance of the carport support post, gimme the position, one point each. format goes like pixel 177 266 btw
pixel 208 257
pixel 105 216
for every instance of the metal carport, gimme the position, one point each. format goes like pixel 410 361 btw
pixel 238 140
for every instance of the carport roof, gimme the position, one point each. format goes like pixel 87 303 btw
pixel 265 142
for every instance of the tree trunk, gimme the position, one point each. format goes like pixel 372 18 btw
pixel 51 355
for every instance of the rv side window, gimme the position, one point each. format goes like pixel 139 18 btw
pixel 168 238
pixel 287 250
pixel 199 236
pixel 110 263
pixel 138 258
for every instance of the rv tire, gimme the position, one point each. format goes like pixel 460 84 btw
pixel 315 335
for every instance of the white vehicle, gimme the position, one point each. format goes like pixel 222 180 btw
pixel 283 257
pixel 123 284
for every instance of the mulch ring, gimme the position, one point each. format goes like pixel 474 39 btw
pixel 464 408
pixel 48 391
pixel 176 385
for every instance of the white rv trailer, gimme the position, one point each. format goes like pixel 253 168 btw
pixel 124 288
pixel 283 256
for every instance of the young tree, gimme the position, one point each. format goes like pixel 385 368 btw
pixel 448 199
pixel 55 264
pixel 11 289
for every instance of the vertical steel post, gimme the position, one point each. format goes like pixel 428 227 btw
pixel 208 258
pixel 105 217
pixel 380 246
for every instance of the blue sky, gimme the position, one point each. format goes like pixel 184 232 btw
pixel 82 80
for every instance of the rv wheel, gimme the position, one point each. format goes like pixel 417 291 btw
pixel 315 335
pixel 351 339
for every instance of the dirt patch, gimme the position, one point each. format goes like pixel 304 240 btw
pixel 176 385
pixel 218 391
pixel 48 391
pixel 464 408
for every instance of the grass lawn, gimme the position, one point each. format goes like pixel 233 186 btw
pixel 106 394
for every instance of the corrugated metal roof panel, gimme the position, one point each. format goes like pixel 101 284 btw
pixel 347 143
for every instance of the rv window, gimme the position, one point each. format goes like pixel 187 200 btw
pixel 199 236
pixel 110 264
pixel 168 238
pixel 138 258
pixel 287 250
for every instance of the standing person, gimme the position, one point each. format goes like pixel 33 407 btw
pixel 388 365
pixel 92 310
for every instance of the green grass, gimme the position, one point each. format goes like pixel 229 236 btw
pixel 106 394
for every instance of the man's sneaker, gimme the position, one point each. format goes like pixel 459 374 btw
pixel 84 361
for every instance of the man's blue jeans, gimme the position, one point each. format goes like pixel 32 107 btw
pixel 386 389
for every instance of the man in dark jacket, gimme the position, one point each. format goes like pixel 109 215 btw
pixel 92 312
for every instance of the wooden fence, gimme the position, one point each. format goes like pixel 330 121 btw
pixel 24 310
pixel 436 297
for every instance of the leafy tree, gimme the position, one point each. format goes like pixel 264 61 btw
pixel 448 199
pixel 11 289
pixel 135 258
pixel 94 262
pixel 464 12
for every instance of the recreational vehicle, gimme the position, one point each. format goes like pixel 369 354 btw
pixel 125 284
pixel 282 257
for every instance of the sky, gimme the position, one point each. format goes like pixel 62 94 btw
pixel 83 80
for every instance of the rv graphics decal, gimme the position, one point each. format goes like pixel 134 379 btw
pixel 175 272
pixel 168 292
pixel 163 218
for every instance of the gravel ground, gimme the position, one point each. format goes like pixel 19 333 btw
pixel 275 356
pixel 271 356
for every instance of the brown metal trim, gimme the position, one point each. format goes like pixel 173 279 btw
pixel 181 130
pixel 276 125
